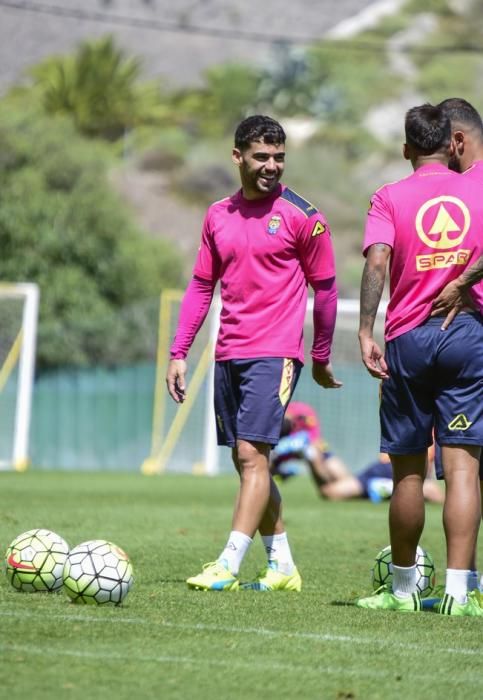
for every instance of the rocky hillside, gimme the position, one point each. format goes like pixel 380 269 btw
pixel 177 40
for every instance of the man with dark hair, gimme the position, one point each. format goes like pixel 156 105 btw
pixel 302 442
pixel 301 439
pixel 427 130
pixel 467 134
pixel 258 128
pixel 430 226
pixel 264 244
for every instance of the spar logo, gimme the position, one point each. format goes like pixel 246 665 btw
pixel 442 224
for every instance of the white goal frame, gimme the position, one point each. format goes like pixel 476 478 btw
pixel 22 352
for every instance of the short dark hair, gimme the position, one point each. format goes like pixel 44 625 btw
pixel 428 129
pixel 462 112
pixel 258 128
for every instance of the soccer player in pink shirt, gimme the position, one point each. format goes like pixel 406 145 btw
pixel 430 227
pixel 264 245
pixel 467 133
pixel 304 417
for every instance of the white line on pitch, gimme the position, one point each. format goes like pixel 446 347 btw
pixel 316 668
pixel 262 631
pixel 191 660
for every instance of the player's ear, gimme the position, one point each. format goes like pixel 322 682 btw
pixel 452 148
pixel 405 152
pixel 459 141
pixel 236 156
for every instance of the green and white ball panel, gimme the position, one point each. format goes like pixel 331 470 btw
pixel 35 560
pixel 425 570
pixel 97 572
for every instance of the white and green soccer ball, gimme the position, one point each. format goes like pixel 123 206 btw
pixel 425 570
pixel 97 572
pixel 35 560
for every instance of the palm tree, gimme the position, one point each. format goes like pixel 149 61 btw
pixel 99 87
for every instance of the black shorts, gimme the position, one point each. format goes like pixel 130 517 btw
pixel 251 397
pixel 435 380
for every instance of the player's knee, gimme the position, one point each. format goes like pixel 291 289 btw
pixel 251 457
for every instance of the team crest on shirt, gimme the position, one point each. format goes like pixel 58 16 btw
pixel 274 224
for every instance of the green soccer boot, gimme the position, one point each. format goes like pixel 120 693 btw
pixel 384 599
pixel 215 577
pixel 450 606
pixel 271 579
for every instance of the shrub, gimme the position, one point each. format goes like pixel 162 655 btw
pixel 63 227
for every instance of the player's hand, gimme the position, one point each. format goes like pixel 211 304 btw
pixel 452 299
pixel 324 376
pixel 175 380
pixel 373 357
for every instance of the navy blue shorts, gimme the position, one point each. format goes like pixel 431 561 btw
pixel 251 397
pixel 438 463
pixel 436 379
pixel 375 470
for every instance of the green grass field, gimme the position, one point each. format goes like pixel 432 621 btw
pixel 171 643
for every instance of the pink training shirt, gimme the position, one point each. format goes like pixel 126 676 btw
pixel 304 417
pixel 476 174
pixel 264 252
pixel 433 221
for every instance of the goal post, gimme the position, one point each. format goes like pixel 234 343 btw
pixel 19 304
pixel 171 423
pixel 184 437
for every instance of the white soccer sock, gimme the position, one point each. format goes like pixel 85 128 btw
pixel 404 580
pixel 473 581
pixel 457 584
pixel 278 549
pixel 235 549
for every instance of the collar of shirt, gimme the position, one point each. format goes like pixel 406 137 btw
pixel 430 168
pixel 262 201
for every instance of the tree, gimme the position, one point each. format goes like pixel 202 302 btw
pixel 63 227
pixel 99 88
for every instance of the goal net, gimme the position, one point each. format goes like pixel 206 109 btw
pixel 184 437
pixel 18 331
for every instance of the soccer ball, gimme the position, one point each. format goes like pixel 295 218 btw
pixel 425 570
pixel 97 572
pixel 35 561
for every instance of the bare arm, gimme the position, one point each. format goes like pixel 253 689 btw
pixel 455 296
pixel 473 274
pixel 372 285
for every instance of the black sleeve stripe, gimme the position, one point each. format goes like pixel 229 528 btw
pixel 299 202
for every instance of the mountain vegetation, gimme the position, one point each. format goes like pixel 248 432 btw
pixel 85 116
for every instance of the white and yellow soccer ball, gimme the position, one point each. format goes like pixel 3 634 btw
pixel 35 560
pixel 97 572
pixel 425 570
